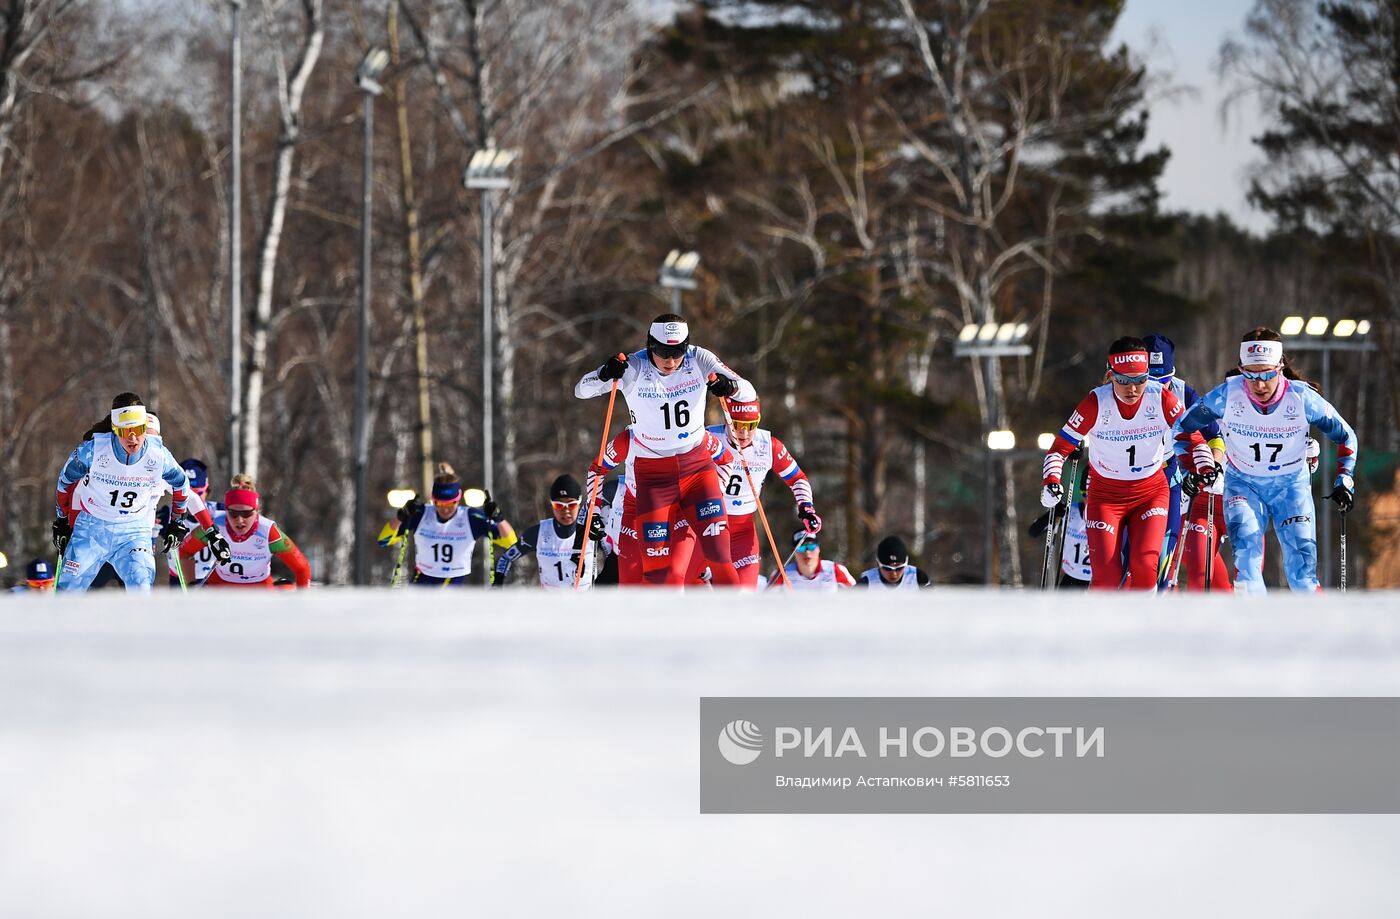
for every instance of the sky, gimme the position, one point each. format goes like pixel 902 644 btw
pixel 1180 40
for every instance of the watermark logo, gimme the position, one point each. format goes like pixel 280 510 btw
pixel 740 742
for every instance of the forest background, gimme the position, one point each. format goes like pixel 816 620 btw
pixel 862 179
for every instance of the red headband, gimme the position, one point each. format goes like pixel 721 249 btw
pixel 241 496
pixel 1129 363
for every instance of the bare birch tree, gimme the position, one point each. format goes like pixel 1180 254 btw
pixel 307 38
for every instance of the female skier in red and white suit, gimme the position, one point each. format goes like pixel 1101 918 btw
pixel 665 386
pixel 1124 423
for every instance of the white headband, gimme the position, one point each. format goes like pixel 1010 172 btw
pixel 129 416
pixel 1261 352
pixel 670 333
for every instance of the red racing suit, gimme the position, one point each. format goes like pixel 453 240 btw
pixel 677 550
pixel 764 454
pixel 1127 445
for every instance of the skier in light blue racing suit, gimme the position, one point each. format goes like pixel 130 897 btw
pixel 104 498
pixel 1264 414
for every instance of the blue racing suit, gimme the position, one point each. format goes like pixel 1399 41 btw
pixel 119 534
pixel 1267 475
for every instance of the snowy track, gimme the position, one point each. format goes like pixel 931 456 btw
pixel 346 754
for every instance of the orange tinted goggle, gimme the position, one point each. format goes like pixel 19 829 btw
pixel 134 429
pixel 746 425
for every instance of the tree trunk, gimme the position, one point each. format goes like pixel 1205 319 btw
pixel 290 100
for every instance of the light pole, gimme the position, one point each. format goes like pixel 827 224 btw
pixel 992 340
pixel 678 274
pixel 489 173
pixel 1319 333
pixel 235 237
pixel 367 78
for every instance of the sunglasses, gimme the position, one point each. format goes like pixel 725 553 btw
pixel 1126 380
pixel 134 429
pixel 565 505
pixel 808 547
pixel 447 502
pixel 240 515
pixel 1260 376
pixel 745 425
pixel 900 567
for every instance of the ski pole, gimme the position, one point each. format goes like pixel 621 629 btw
pixel 1342 553
pixel 1047 562
pixel 763 518
pixel 180 572
pixel 398 563
pixel 782 569
pixel 1210 534
pixel 593 492
pixel 1179 550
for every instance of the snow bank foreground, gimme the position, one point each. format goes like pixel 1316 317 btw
pixel 409 754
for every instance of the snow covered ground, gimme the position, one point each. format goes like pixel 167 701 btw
pixel 409 754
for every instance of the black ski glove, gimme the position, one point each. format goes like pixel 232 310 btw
pixel 171 534
pixel 596 529
pixel 1343 493
pixel 412 508
pixel 62 532
pixel 722 386
pixel 613 368
pixel 218 545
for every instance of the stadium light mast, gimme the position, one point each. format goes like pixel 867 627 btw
pixel 367 78
pixel 678 274
pixel 489 173
pixel 1321 334
pixel 992 340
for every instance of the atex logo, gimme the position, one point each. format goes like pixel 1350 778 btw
pixel 740 742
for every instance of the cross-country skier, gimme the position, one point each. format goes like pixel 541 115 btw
pixel 665 385
pixel 443 540
pixel 253 540
pixel 611 495
pixel 1075 571
pixel 1123 422
pixel 808 570
pixel 1161 358
pixel 892 568
pixel 198 473
pixel 557 541
pixel 763 453
pixel 38 577
pixel 1265 412
pixel 105 496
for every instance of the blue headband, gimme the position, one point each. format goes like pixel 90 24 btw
pixel 449 491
